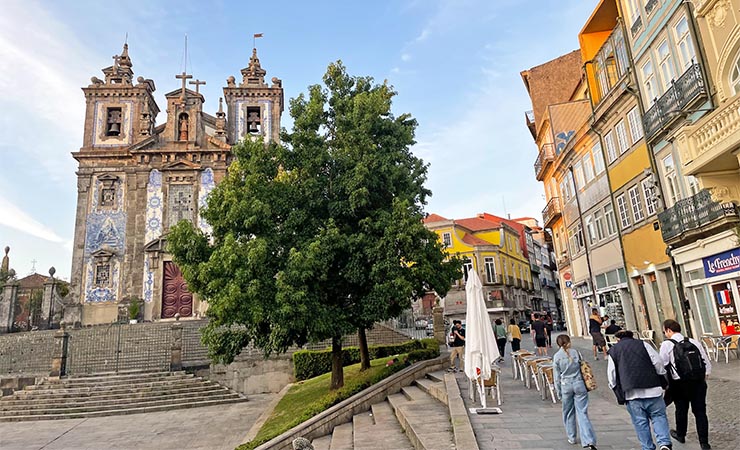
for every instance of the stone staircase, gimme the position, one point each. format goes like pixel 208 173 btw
pixel 417 418
pixel 113 394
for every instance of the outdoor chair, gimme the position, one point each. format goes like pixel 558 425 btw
pixel 548 381
pixel 531 371
pixel 515 362
pixel 727 344
pixel 493 385
pixel 710 347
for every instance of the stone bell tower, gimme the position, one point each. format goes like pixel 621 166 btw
pixel 254 108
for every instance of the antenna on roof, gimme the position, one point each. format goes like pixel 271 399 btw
pixel 503 200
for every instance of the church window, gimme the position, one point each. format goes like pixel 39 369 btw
pixel 102 275
pixel 254 124
pixel 180 203
pixel 107 196
pixel 113 122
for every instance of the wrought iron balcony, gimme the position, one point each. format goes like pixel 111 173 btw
pixel 551 212
pixel 682 93
pixel 650 6
pixel 497 279
pixel 546 155
pixel 636 26
pixel 689 218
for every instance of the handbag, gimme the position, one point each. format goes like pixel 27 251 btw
pixel 587 374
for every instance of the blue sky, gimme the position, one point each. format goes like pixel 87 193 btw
pixel 455 65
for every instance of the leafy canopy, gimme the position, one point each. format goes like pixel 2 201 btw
pixel 320 236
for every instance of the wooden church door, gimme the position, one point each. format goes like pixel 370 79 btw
pixel 176 298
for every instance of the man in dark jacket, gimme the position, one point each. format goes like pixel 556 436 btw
pixel 635 372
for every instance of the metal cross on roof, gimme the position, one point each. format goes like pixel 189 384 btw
pixel 184 77
pixel 197 84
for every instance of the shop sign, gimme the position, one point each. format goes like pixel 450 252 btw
pixel 727 308
pixel 722 263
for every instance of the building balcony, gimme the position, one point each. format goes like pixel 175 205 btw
pixel 497 279
pixel 696 217
pixel 535 268
pixel 714 139
pixel 564 260
pixel 545 157
pixel 551 212
pixel 683 93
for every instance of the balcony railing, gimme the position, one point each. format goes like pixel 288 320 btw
pixel 551 212
pixel 636 26
pixel 650 6
pixel 497 279
pixel 546 155
pixel 693 214
pixel 510 280
pixel 669 106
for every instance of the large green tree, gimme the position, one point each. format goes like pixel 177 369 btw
pixel 321 236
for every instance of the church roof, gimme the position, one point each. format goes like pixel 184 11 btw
pixel 177 92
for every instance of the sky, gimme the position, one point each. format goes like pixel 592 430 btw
pixel 455 64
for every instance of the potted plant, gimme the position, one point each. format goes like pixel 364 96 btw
pixel 134 308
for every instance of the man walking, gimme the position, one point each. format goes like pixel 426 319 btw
pixel 539 335
pixel 689 365
pixel 634 372
pixel 458 346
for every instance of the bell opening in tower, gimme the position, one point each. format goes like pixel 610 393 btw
pixel 113 127
pixel 253 120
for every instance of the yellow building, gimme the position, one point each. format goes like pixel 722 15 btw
pixel 617 120
pixel 494 250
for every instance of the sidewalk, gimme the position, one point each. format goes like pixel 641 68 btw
pixel 528 422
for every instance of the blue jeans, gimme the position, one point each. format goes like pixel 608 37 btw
pixel 575 409
pixel 643 411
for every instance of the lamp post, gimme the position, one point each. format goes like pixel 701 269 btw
pixel 50 319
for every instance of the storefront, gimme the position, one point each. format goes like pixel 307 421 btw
pixel 711 273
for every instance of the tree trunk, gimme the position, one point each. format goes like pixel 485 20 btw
pixel 364 351
pixel 337 368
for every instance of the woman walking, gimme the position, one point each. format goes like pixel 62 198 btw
pixel 500 332
pixel 515 332
pixel 572 391
pixel 594 328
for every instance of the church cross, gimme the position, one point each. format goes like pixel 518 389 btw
pixel 184 77
pixel 116 61
pixel 197 84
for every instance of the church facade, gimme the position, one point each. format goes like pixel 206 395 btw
pixel 136 179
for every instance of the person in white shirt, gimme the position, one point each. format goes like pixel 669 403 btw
pixel 691 388
pixel 635 372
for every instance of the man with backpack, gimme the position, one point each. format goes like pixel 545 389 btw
pixel 689 365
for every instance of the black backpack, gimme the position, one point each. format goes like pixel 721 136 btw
pixel 689 365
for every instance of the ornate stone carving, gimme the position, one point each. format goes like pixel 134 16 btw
pixel 720 194
pixel 717 16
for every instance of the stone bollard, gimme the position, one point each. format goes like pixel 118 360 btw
pixel 302 444
pixel 176 349
pixel 59 360
pixel 439 325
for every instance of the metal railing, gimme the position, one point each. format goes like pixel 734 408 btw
pixel 497 279
pixel 693 213
pixel 683 91
pixel 551 212
pixel 546 155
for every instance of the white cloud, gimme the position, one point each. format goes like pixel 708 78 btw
pixel 14 217
pixel 405 57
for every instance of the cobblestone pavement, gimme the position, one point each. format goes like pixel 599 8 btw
pixel 530 423
pixel 212 427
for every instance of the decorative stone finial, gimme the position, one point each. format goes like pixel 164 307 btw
pixel 6 261
pixel 253 74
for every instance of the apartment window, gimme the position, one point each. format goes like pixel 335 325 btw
pixel 598 158
pixel 624 215
pixel 490 267
pixel 579 235
pixel 649 191
pixel 467 268
pixel 621 51
pixel 684 43
pixel 735 76
pixel 588 168
pixel 667 72
pixel 611 223
pixel 578 171
pixel 635 123
pixel 591 230
pixel 693 183
pixel 634 11
pixel 636 203
pixel 671 181
pixel 447 239
pixel 611 149
pixel 599 225
pixel 648 81
pixel 622 141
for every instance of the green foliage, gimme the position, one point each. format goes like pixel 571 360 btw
pixel 320 237
pixel 134 308
pixel 311 397
pixel 311 363
pixel 35 302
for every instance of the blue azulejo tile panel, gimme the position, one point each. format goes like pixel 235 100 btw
pixel 207 183
pixel 154 207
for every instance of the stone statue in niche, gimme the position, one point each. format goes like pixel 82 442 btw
pixel 183 128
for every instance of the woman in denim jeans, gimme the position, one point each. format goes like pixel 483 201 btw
pixel 572 391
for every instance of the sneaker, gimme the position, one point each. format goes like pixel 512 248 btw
pixel 590 447
pixel 666 447
pixel 572 441
pixel 705 446
pixel 451 369
pixel 681 439
pixel 596 358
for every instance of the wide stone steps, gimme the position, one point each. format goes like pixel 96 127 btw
pixel 113 394
pixel 417 418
